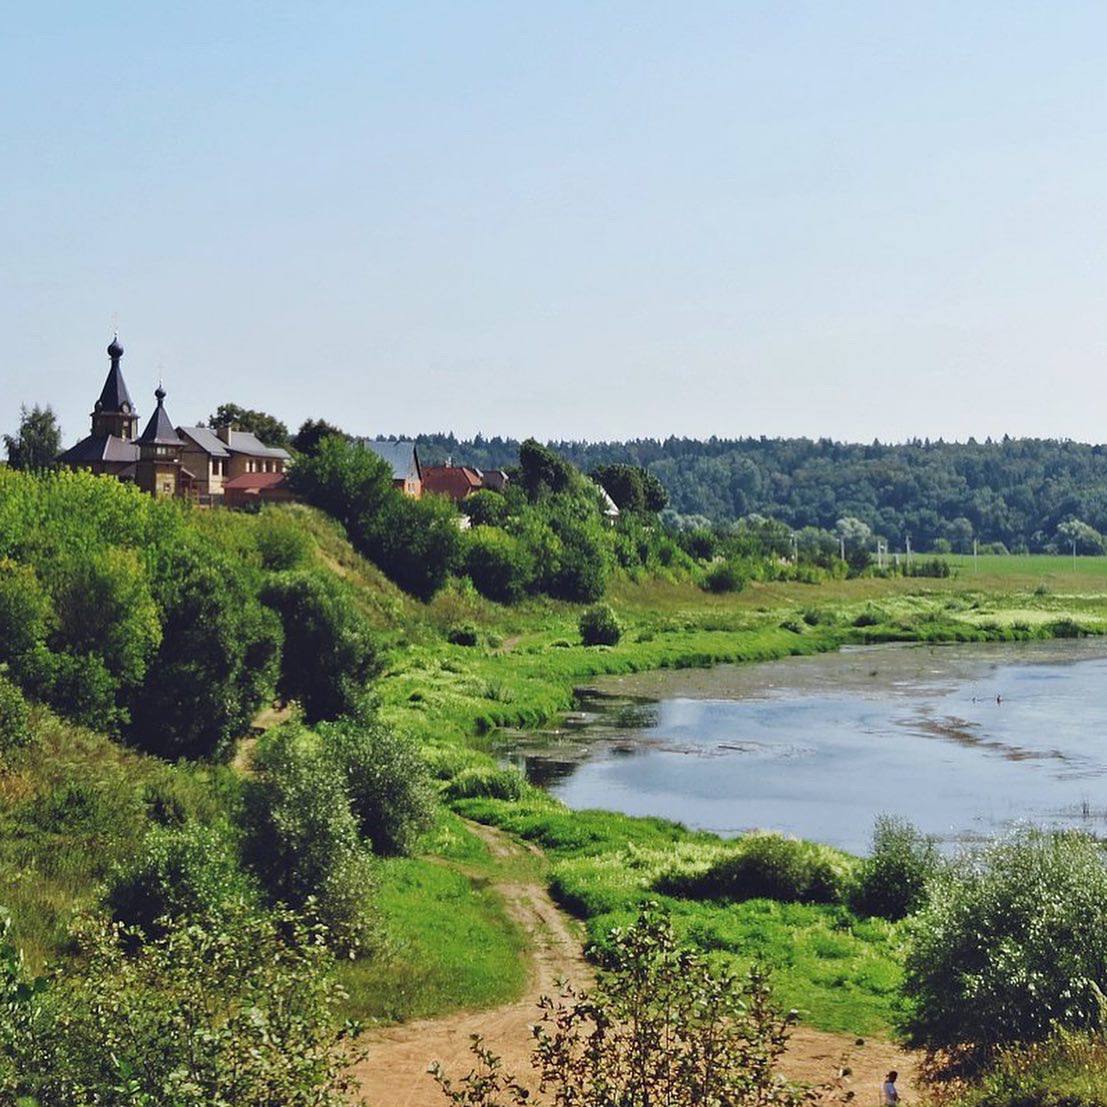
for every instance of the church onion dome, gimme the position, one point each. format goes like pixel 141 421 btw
pixel 159 429
pixel 115 350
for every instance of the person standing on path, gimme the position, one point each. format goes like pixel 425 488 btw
pixel 890 1095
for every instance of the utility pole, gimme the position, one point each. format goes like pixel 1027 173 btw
pixel 1074 555
pixel 842 546
pixel 907 537
pixel 975 561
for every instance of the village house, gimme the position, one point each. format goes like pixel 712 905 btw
pixel 221 465
pixel 403 458
pixel 458 482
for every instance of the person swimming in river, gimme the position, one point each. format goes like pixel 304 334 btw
pixel 999 698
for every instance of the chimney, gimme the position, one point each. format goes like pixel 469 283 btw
pixel 224 434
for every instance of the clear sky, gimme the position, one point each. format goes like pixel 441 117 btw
pixel 596 220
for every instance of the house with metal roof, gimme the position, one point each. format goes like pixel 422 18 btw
pixel 403 458
pixel 166 460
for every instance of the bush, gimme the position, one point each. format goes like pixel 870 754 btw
pixel 464 635
pixel 301 836
pixel 244 1013
pixel 724 576
pixel 892 880
pixel 387 781
pixel 15 729
pixel 764 866
pixel 330 653
pixel 499 564
pixel 217 664
pixel 664 1025
pixel 486 508
pixel 599 626
pixel 483 783
pixel 281 542
pixel 184 872
pixel 1011 945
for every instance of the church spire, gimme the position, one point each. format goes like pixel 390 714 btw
pixel 114 412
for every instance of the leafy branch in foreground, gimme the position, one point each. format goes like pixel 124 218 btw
pixel 663 1027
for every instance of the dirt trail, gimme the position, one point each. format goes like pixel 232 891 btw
pixel 395 1072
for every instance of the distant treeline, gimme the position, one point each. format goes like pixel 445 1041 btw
pixel 1014 491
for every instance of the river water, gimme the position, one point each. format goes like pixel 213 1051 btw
pixel 962 740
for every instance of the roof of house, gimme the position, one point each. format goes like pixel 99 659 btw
pixel 246 442
pixel 401 455
pixel 101 447
pixel 253 482
pixel 206 439
pixel 455 481
pixel 159 428
pixel 114 394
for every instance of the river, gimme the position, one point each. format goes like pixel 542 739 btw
pixel 961 740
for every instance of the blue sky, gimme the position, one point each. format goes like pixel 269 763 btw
pixel 584 220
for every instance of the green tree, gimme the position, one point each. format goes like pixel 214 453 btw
pixel 1075 533
pixel 302 838
pixel 268 429
pixel 330 652
pixel 499 564
pixel 245 1012
pixel 37 443
pixel 1011 945
pixel 312 431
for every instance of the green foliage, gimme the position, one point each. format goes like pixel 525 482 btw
pixel 37 443
pixel 189 871
pixel 25 614
pixel 312 431
pixel 417 543
pixel 488 783
pixel 1067 1070
pixel 631 487
pixel 241 1013
pixel 486 508
pixel 267 428
pixel 302 839
pixel 765 866
pixel 387 781
pixel 330 653
pixel 281 542
pixel 724 576
pixel 542 472
pixel 1011 944
pixel 464 635
pixel 599 626
pixel 218 661
pixel 499 564
pixel 663 1025
pixel 892 880
pixel 15 728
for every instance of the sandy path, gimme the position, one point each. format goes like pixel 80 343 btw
pixel 395 1072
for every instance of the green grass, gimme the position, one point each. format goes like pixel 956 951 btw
pixel 841 972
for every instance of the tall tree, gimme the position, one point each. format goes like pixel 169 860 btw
pixel 312 431
pixel 37 442
pixel 268 428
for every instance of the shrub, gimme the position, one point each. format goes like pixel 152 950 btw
pixel 282 543
pixel 724 576
pixel 81 688
pixel 15 729
pixel 330 652
pixel 484 783
pixel 244 1013
pixel 387 781
pixel 486 508
pixel 1011 945
pixel 892 880
pixel 764 866
pixel 218 660
pixel 869 618
pixel 301 836
pixel 25 612
pixel 190 871
pixel 599 626
pixel 664 1025
pixel 464 635
pixel 499 564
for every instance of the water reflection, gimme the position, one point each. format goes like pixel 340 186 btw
pixel 962 740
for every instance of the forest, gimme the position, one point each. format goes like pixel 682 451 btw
pixel 1013 491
